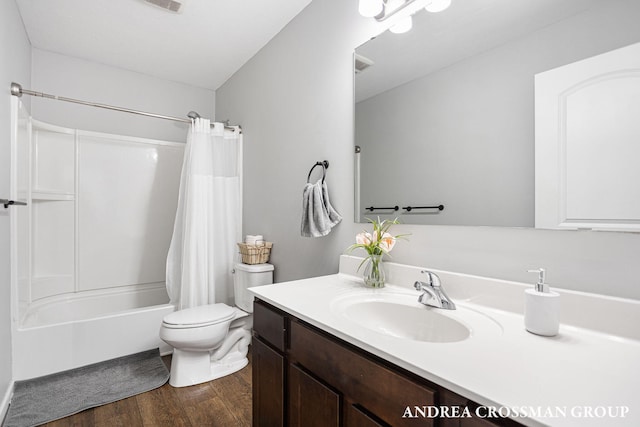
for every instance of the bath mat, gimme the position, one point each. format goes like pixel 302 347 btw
pixel 55 396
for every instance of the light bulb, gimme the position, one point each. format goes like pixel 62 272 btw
pixel 393 5
pixel 402 26
pixel 437 5
pixel 370 8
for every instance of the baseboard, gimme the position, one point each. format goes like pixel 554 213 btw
pixel 4 403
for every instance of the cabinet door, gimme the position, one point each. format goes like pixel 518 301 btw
pixel 268 386
pixel 354 416
pixel 311 403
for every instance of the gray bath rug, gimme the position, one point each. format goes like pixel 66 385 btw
pixel 55 396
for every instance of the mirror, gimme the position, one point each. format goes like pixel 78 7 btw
pixel 444 114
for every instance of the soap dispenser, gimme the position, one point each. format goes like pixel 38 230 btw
pixel 541 308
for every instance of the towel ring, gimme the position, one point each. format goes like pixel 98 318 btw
pixel 325 166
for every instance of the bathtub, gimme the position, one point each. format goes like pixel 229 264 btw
pixel 69 331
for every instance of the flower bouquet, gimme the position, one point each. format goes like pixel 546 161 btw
pixel 376 244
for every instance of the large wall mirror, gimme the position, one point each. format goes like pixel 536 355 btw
pixel 445 114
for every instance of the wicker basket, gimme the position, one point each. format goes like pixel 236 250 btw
pixel 255 254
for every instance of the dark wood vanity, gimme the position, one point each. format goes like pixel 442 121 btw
pixel 303 376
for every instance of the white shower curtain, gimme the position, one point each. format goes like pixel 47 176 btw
pixel 208 218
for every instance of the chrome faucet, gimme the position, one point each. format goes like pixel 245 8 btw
pixel 432 293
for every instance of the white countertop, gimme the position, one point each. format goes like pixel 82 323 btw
pixel 578 371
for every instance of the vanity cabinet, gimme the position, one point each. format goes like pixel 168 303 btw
pixel 303 376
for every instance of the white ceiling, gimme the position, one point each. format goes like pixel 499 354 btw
pixel 202 46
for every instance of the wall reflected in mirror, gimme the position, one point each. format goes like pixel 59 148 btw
pixel 444 114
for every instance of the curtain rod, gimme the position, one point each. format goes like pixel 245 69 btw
pixel 17 90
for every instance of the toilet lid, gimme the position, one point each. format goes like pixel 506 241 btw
pixel 200 316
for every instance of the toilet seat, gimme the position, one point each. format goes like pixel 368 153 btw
pixel 197 317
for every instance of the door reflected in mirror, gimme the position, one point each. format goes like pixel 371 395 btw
pixel 444 114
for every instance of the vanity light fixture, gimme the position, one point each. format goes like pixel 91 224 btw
pixel 436 6
pixel 382 10
pixel 370 8
pixel 405 23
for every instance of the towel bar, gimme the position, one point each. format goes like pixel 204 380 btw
pixel 7 203
pixel 410 208
pixel 371 208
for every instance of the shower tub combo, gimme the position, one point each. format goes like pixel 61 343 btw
pixel 89 249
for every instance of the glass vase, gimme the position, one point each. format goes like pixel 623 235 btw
pixel 374 272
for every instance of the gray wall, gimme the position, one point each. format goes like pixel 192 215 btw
pixel 90 81
pixel 454 138
pixel 294 100
pixel 15 63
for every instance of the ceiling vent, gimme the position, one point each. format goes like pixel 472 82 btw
pixel 362 63
pixel 170 5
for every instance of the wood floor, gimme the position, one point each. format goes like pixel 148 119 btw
pixel 223 402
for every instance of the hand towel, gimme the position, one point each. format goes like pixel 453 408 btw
pixel 334 216
pixel 318 216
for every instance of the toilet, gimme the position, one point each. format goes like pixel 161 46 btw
pixel 211 341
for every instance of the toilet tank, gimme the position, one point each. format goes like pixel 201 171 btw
pixel 246 276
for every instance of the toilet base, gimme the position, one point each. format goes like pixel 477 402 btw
pixel 197 367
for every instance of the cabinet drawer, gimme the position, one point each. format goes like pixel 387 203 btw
pixel 270 325
pixel 363 381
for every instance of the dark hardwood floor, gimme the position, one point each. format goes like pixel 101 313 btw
pixel 223 402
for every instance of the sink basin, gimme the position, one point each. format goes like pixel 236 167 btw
pixel 399 315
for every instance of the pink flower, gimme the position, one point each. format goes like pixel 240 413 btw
pixel 387 242
pixel 363 239
pixel 379 241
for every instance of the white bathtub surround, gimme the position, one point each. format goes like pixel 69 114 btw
pixel 67 332
pixel 68 308
pixel 99 209
pixel 51 348
pixel 89 249
pixel 590 364
pixel 208 219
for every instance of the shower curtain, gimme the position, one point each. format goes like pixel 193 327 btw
pixel 208 218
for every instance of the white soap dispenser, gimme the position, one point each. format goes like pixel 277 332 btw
pixel 541 308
